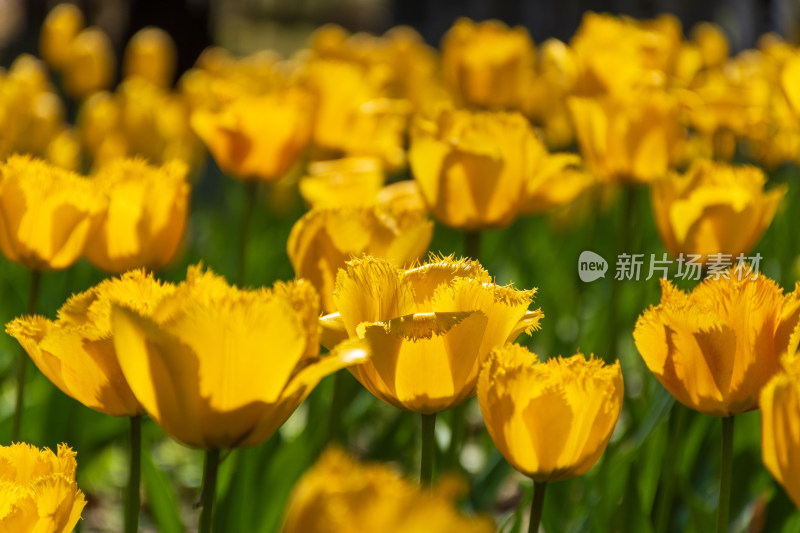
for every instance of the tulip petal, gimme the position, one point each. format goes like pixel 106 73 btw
pixel 162 372
pixel 346 354
pixel 371 290
pixel 424 371
pixel 333 330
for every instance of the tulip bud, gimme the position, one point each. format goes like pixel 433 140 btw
pixel 89 65
pixel 151 55
pixel 552 420
pixel 60 27
pixel 39 492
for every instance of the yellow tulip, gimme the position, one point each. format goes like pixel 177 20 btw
pixel 780 438
pixel 89 65
pixel 471 167
pixel 38 492
pixel 339 495
pixel 632 140
pixel 144 220
pixel 714 349
pixel 76 352
pixel 139 119
pixel 429 328
pixel 714 208
pixel 377 129
pixel 552 420
pixel 619 56
pixel 488 64
pixel 324 239
pixel 47 213
pixel 555 180
pixel 31 112
pixel 790 82
pixel 340 89
pixel 712 43
pixel 64 151
pixel 151 55
pixel 342 182
pixel 218 367
pixel 60 27
pixel 256 138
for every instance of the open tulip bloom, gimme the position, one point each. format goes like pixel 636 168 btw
pixel 218 367
pixel 714 349
pixel 714 208
pixel 340 495
pixel 428 328
pixel 38 492
pixel 552 420
pixel 780 438
pixel 46 216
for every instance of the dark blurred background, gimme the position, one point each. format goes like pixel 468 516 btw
pixel 243 26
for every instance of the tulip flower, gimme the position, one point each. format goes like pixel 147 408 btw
pixel 38 489
pixel 790 82
pixel 552 420
pixel 630 140
pixel 90 64
pixel 488 64
pixel 31 112
pixel 643 53
pixel 61 25
pixel 151 55
pixel 342 182
pixel 340 88
pixel 780 441
pixel 471 167
pixel 47 213
pixel 138 120
pixel 76 353
pixel 145 216
pixel 714 349
pixel 714 208
pixel 218 367
pixel 237 135
pixel 324 239
pixel 555 180
pixel 429 329
pixel 712 43
pixel 339 495
pixel 438 320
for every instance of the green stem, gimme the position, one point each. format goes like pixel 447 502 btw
pixel 251 193
pixel 210 467
pixel 33 297
pixel 677 421
pixel 428 442
pixel 134 477
pixel 337 406
pixel 472 244
pixel 725 475
pixel 537 505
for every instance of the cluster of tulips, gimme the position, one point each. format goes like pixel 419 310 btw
pixel 489 128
